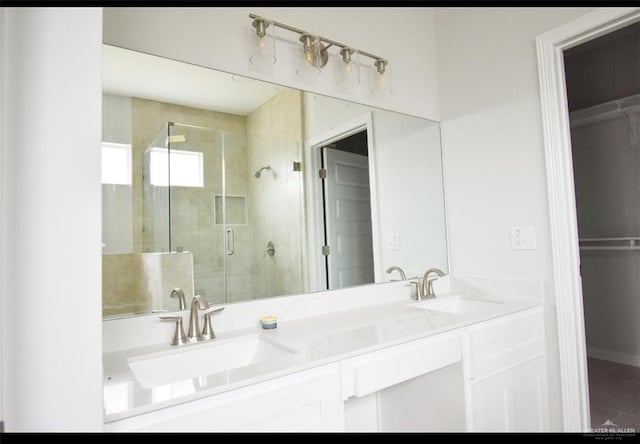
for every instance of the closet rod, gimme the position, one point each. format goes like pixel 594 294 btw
pixel 629 248
pixel 608 239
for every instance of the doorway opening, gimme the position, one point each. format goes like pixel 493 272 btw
pixel 346 212
pixel 603 94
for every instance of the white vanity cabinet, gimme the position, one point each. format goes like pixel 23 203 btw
pixel 505 374
pixel 487 376
pixel 305 401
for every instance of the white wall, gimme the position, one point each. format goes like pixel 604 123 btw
pixel 3 49
pixel 52 373
pixel 218 38
pixel 493 148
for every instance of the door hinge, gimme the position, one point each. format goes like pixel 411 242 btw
pixel 325 250
pixel 322 173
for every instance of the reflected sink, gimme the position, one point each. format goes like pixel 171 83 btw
pixel 196 360
pixel 455 304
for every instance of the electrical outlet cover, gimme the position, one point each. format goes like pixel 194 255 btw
pixel 523 238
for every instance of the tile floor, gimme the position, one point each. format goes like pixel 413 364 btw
pixel 615 393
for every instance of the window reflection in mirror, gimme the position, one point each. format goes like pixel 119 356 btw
pixel 245 190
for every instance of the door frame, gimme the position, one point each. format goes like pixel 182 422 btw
pixel 315 226
pixel 562 204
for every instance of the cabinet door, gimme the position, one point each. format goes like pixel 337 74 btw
pixel 305 401
pixel 493 404
pixel 532 406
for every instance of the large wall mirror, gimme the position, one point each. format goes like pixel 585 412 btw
pixel 238 189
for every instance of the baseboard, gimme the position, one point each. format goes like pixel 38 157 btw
pixel 613 356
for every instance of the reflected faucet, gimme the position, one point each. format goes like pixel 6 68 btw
pixel 178 293
pixel 427 285
pixel 403 277
pixel 197 303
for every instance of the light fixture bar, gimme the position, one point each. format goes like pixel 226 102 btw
pixel 322 39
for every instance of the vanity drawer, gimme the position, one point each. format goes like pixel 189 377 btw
pixel 375 371
pixel 504 342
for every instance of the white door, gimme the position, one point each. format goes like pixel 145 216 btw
pixel 347 219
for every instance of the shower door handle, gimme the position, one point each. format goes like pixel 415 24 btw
pixel 231 244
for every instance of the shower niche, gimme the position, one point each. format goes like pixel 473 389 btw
pixel 222 196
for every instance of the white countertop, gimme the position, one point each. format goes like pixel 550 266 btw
pixel 318 340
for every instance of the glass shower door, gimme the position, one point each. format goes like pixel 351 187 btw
pixel 196 174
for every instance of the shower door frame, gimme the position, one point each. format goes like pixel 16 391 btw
pixel 562 203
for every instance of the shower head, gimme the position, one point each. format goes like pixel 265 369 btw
pixel 259 172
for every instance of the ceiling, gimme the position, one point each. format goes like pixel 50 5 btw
pixel 135 74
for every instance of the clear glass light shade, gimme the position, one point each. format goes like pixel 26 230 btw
pixel 309 56
pixel 381 79
pixel 348 69
pixel 262 44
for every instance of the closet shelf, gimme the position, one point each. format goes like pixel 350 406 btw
pixel 605 110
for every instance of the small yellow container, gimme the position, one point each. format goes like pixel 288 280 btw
pixel 269 322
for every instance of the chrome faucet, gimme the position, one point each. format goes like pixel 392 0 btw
pixel 197 303
pixel 178 293
pixel 403 277
pixel 427 285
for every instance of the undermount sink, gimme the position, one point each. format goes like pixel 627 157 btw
pixel 454 304
pixel 197 360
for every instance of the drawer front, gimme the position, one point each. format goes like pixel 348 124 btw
pixel 375 371
pixel 502 343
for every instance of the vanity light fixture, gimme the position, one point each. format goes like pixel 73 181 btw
pixel 262 44
pixel 348 75
pixel 313 55
pixel 381 78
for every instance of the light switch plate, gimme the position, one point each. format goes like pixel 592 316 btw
pixel 393 241
pixel 523 238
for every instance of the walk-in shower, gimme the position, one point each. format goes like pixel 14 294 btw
pixel 199 196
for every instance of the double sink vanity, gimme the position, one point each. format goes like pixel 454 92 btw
pixel 371 359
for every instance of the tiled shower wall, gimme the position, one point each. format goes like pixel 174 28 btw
pixel 274 135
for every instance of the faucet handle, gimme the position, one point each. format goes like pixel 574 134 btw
pixel 207 330
pixel 212 310
pixel 179 338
